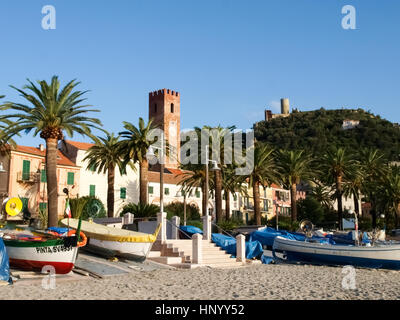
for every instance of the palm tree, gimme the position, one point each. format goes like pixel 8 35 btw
pixel 374 166
pixel 391 185
pixel 51 111
pixel 104 157
pixel 263 173
pixel 231 183
pixel 193 177
pixel 293 167
pixel 322 194
pixel 336 165
pixel 219 137
pixel 134 147
pixel 353 185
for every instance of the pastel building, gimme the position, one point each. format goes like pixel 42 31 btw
pixel 126 187
pixel 24 176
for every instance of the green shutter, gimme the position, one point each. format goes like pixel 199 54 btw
pixel 197 194
pixel 43 176
pixel 71 178
pixel 43 206
pixel 151 190
pixel 166 191
pixel 92 190
pixel 26 169
pixel 93 167
pixel 123 193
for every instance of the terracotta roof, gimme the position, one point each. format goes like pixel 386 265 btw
pixel 171 176
pixel 80 145
pixel 61 159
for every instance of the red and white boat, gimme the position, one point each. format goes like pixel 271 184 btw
pixel 33 252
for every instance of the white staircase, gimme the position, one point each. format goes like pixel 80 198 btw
pixel 178 253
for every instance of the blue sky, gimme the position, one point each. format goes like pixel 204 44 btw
pixel 229 59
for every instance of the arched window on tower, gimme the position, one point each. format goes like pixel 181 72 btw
pixel 172 108
pixel 155 107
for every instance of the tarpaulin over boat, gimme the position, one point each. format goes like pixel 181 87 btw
pixel 4 263
pixel 253 248
pixel 191 230
pixel 267 236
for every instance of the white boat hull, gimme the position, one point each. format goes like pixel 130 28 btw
pixel 130 250
pixel 384 256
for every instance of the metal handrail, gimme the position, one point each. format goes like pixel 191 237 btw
pixel 223 230
pixel 173 224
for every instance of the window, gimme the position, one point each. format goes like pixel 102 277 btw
pixel 43 176
pixel 92 190
pixel 234 197
pixel 123 193
pixel 43 206
pixel 166 191
pixel 70 178
pixel 92 168
pixel 172 108
pixel 155 107
pixel 151 190
pixel 197 194
pixel 26 169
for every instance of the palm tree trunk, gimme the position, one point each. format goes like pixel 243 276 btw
pixel 143 182
pixel 356 204
pixel 339 201
pixel 256 195
pixel 293 203
pixel 227 205
pixel 218 195
pixel 110 191
pixel 52 184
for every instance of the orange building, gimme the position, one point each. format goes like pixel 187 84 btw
pixel 24 176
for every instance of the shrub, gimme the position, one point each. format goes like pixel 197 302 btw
pixel 229 225
pixel 87 207
pixel 310 209
pixel 194 223
pixel 176 209
pixel 141 210
pixel 284 223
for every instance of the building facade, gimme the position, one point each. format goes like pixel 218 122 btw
pixel 25 177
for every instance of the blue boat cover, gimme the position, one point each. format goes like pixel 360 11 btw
pixel 267 236
pixel 191 230
pixel 4 263
pixel 266 259
pixel 58 230
pixel 253 248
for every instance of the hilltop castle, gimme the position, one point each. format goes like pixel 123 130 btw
pixel 285 111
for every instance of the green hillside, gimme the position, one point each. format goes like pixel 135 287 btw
pixel 317 130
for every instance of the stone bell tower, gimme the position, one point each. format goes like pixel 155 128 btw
pixel 164 110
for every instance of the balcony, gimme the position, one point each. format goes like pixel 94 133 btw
pixel 30 177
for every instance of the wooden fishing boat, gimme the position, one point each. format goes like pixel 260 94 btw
pixel 33 252
pixel 381 255
pixel 109 241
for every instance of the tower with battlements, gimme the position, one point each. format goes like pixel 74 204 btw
pixel 164 110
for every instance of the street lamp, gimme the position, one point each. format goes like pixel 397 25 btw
pixel 162 165
pixel 213 168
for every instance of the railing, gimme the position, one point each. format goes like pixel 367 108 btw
pixel 179 229
pixel 224 231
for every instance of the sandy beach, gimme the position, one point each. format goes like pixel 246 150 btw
pixel 261 282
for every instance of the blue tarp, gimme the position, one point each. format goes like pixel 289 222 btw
pixel 4 263
pixel 191 230
pixel 266 259
pixel 267 236
pixel 253 248
pixel 58 230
